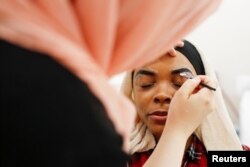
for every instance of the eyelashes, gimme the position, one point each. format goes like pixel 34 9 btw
pixel 176 80
pixel 145 86
pixel 179 79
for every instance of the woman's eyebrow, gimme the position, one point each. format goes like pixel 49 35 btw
pixel 180 70
pixel 145 72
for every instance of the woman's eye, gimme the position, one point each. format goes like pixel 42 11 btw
pixel 145 82
pixel 177 85
pixel 178 81
pixel 146 85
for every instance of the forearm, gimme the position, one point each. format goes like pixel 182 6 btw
pixel 169 150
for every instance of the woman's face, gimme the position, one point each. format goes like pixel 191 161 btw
pixel 154 86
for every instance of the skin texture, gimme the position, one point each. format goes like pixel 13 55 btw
pixel 154 86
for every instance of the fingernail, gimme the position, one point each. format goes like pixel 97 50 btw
pixel 197 79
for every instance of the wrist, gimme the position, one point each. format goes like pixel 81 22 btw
pixel 176 132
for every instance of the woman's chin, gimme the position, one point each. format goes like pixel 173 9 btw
pixel 157 131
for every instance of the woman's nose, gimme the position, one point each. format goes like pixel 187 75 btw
pixel 162 98
pixel 164 93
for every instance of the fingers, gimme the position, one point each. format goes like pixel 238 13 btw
pixel 206 96
pixel 189 107
pixel 208 80
pixel 206 100
pixel 208 83
pixel 189 87
pixel 180 44
pixel 172 51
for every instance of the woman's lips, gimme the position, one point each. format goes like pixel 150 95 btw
pixel 158 116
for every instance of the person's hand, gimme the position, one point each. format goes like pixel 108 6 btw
pixel 172 51
pixel 190 106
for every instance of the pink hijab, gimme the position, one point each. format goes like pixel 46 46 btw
pixel 95 39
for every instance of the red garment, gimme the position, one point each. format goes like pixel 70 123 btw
pixel 195 156
pixel 246 148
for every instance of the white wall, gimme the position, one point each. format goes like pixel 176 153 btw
pixel 225 39
pixel 243 87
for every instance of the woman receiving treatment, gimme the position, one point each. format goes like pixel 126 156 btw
pixel 170 97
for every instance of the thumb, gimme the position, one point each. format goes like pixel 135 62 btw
pixel 189 86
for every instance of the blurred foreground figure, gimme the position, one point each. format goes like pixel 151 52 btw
pixel 57 108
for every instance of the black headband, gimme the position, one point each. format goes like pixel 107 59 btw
pixel 192 54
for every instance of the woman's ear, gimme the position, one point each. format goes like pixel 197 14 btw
pixel 132 95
